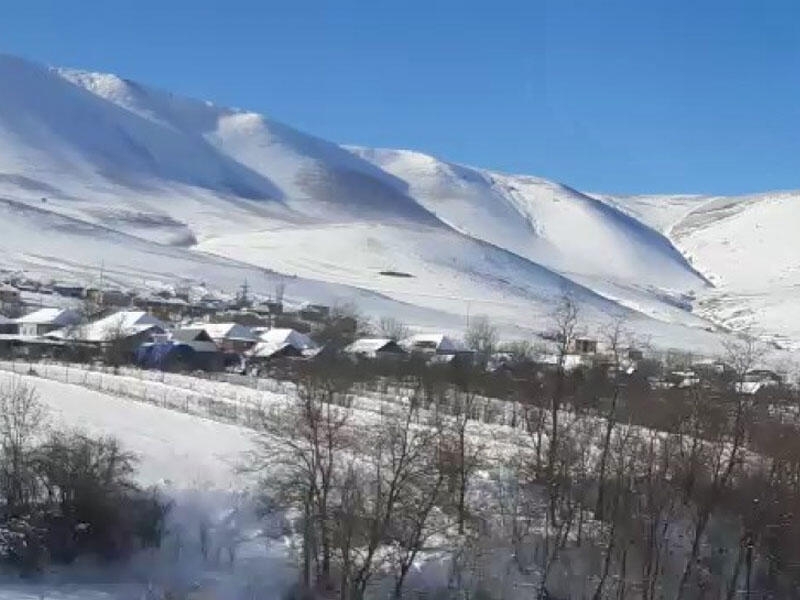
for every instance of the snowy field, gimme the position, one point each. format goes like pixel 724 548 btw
pixel 194 462
pixel 192 452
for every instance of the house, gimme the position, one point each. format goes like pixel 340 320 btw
pixel 45 320
pixel 283 343
pixel 229 337
pixel 167 308
pixel 583 345
pixel 375 348
pixel 569 362
pixel 117 336
pixel 262 309
pixel 434 343
pixel 765 376
pixel 758 380
pixel 116 298
pixel 314 312
pixel 122 325
pixel 635 354
pixel 275 308
pixel 8 294
pixel 196 338
pixel 68 289
pixel 31 347
pixel 683 379
pixel 167 355
pixel 7 326
pixel 204 352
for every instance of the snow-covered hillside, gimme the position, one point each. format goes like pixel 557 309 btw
pixel 746 246
pixel 98 171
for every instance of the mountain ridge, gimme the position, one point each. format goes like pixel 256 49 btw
pixel 229 182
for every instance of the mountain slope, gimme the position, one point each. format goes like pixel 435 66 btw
pixel 747 246
pixel 541 220
pixel 138 173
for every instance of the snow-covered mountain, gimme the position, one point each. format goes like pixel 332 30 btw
pixel 98 170
pixel 748 248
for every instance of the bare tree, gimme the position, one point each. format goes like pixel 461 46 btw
pixel 463 454
pixel 391 328
pixel 615 337
pixel 481 336
pixel 300 454
pixel 21 420
pixel 116 344
pixel 724 436
pixel 565 323
pixel 90 308
pixel 387 499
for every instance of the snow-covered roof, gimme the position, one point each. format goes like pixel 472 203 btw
pixel 439 342
pixel 275 340
pixel 191 334
pixel 228 331
pixel 124 323
pixel 369 345
pixel 196 338
pixel 51 316
pixel 750 387
pixel 5 320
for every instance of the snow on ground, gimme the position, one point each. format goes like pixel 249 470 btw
pixel 193 461
pixel 166 442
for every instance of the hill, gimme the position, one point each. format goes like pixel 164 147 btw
pixel 97 170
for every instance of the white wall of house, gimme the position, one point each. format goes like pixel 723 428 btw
pixel 28 329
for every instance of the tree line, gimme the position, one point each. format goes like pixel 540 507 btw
pixel 614 489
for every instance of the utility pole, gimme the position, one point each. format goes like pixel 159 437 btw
pixel 243 298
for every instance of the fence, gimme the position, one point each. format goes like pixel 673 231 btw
pixel 199 398
pixel 243 400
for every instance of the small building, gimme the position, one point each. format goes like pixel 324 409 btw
pixel 757 380
pixel 8 326
pixel 275 308
pixel 196 338
pixel 434 343
pixel 283 343
pixel 9 294
pixel 635 354
pixel 31 347
pixel 765 376
pixel 314 312
pixel 167 355
pixel 375 348
pixel 126 324
pixel 229 337
pixel 69 289
pixel 584 345
pixel 46 320
pixel 116 298
pixel 166 308
pixel 117 336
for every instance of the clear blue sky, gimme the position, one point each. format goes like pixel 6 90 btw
pixel 634 96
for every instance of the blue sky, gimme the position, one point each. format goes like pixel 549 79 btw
pixel 629 97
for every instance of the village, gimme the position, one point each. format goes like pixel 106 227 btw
pixel 177 330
